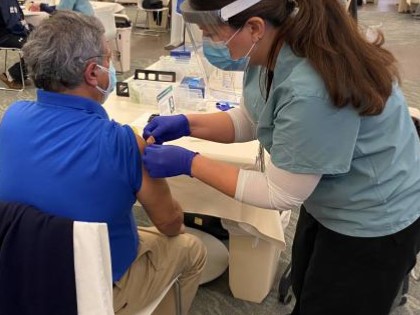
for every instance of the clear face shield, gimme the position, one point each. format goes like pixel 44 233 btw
pixel 217 34
pixel 215 21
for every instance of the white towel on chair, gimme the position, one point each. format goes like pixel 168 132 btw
pixel 92 264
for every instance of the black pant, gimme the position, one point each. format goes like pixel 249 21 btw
pixel 15 41
pixel 336 274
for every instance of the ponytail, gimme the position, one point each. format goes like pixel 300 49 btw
pixel 354 70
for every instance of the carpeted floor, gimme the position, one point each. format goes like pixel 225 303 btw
pixel 215 298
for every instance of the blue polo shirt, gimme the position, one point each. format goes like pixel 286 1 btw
pixel 64 156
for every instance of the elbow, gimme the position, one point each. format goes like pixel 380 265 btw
pixel 172 227
pixel 285 206
pixel 284 201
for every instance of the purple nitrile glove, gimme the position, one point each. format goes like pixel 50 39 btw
pixel 167 160
pixel 167 128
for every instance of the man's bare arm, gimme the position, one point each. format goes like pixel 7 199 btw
pixel 156 198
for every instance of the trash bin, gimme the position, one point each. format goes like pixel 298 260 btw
pixel 122 47
pixel 253 267
pixel 253 262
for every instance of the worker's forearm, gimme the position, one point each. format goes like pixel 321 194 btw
pixel 217 127
pixel 221 176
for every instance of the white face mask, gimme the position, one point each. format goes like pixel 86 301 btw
pixel 112 81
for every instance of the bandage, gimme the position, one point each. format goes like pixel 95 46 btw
pixel 150 140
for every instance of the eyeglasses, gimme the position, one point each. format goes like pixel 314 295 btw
pixel 98 56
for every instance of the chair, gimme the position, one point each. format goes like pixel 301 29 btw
pixel 19 52
pixel 25 228
pixel 92 265
pixel 88 267
pixel 94 276
pixel 148 310
pixel 156 19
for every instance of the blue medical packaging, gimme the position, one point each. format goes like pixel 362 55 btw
pixel 181 53
pixel 195 83
pixel 224 106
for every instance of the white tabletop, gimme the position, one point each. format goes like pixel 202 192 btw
pixel 125 111
pixel 27 13
pixel 106 6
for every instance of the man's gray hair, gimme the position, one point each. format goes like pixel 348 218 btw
pixel 57 50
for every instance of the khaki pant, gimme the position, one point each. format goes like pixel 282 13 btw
pixel 159 261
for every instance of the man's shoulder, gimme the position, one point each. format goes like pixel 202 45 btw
pixel 18 106
pixel 117 134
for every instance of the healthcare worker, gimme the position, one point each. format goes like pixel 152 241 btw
pixel 82 6
pixel 325 103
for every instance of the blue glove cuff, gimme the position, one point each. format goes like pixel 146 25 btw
pixel 186 131
pixel 190 159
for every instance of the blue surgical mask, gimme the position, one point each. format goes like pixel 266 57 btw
pixel 112 81
pixel 218 54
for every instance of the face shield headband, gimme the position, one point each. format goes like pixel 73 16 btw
pixel 215 17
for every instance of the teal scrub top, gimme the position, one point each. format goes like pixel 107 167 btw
pixel 370 165
pixel 82 6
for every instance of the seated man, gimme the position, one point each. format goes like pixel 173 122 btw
pixel 13 33
pixel 82 6
pixel 63 155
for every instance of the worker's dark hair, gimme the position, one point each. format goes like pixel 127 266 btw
pixel 355 71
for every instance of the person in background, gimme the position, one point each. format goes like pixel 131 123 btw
pixel 82 6
pixel 63 155
pixel 13 34
pixel 326 104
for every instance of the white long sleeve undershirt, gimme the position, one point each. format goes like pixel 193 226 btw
pixel 275 189
pixel 245 129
